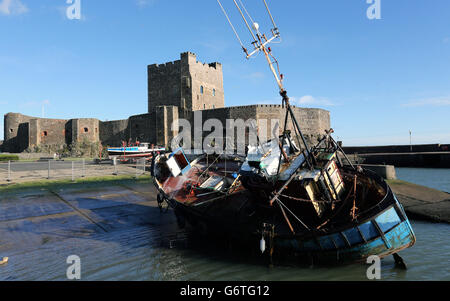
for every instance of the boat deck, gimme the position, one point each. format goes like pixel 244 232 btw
pixel 186 188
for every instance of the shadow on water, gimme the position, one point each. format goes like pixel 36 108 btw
pixel 215 259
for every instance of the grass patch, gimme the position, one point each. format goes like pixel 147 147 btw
pixel 80 182
pixel 398 182
pixel 5 158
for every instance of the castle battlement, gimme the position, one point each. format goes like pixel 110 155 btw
pixel 165 65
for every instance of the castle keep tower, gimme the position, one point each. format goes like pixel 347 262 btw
pixel 187 84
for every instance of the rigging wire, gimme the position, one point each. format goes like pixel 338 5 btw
pixel 270 14
pixel 245 20
pixel 243 6
pixel 231 24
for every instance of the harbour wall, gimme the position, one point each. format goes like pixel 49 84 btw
pixel 418 148
pixel 425 155
pixel 385 171
pixel 431 160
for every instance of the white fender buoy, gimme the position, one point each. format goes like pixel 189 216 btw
pixel 262 245
pixel 4 261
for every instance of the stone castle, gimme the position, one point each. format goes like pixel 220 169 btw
pixel 175 90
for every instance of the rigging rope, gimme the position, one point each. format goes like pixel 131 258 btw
pixel 231 24
pixel 283 205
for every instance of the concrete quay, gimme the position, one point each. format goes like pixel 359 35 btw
pixel 422 202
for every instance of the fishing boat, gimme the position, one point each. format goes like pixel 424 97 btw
pixel 138 150
pixel 284 196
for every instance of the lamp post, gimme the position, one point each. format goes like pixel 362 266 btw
pixel 410 141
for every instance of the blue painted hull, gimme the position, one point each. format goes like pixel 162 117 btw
pixel 387 233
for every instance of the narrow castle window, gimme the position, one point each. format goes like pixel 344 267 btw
pixel 204 106
pixel 11 130
pixel 45 133
pixel 86 130
pixel 214 92
pixel 201 90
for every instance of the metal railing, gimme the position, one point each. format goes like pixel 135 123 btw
pixel 15 171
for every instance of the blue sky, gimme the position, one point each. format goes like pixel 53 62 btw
pixel 378 78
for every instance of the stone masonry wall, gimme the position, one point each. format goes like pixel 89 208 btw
pixel 85 130
pixel 113 132
pixel 164 85
pixel 187 84
pixel 165 117
pixel 16 135
pixel 142 128
pixel 206 83
pixel 313 122
pixel 47 132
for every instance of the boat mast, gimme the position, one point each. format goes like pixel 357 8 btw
pixel 260 44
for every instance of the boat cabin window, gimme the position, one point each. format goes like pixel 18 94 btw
pixel 181 160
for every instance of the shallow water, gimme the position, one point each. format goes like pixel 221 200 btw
pixel 437 178
pixel 427 260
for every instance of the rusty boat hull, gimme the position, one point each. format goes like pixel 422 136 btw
pixel 381 227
